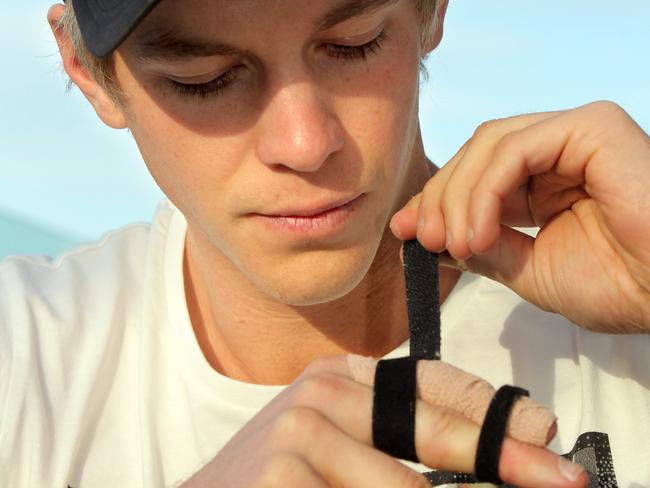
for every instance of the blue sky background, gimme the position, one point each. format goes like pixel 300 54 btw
pixel 67 178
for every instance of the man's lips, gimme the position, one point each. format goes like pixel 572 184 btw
pixel 309 211
pixel 315 221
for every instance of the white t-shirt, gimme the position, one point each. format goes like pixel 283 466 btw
pixel 103 384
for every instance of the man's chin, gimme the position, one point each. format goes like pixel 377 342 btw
pixel 307 297
pixel 312 281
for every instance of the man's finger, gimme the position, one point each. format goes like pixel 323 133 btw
pixel 404 223
pixel 444 385
pixel 342 460
pixel 510 261
pixel 444 439
pixel 289 471
pixel 410 222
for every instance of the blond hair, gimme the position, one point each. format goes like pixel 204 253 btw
pixel 103 69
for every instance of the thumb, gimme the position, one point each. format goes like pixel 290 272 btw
pixel 509 261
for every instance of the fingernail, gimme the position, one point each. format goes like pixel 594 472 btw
pixel 569 470
pixel 470 234
pixel 420 229
pixel 450 239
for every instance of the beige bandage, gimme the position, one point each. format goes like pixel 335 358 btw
pixel 444 385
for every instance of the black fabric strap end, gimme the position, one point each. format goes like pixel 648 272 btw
pixel 422 300
pixel 393 409
pixel 493 432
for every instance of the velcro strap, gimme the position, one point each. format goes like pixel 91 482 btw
pixel 422 300
pixel 493 432
pixel 393 409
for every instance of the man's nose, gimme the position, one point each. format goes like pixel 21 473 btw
pixel 298 129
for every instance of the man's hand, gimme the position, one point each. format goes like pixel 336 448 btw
pixel 318 433
pixel 583 176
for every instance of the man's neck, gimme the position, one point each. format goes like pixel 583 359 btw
pixel 245 340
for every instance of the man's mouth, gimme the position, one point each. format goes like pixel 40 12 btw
pixel 316 219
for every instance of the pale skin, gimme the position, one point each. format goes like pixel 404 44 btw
pixel 299 124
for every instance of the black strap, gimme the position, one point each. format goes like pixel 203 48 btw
pixel 422 300
pixel 591 451
pixel 493 432
pixel 393 408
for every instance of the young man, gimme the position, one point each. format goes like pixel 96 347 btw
pixel 287 141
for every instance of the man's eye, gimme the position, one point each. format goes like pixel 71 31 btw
pixel 209 89
pixel 214 87
pixel 357 52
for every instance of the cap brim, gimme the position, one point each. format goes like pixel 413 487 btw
pixel 104 24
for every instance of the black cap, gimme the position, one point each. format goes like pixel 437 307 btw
pixel 104 24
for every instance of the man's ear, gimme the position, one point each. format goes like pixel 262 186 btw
pixel 440 20
pixel 105 107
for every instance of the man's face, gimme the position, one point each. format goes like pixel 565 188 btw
pixel 284 132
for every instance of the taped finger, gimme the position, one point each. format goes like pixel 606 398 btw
pixel 444 385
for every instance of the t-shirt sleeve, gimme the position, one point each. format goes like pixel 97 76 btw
pixel 62 327
pixel 11 326
pixel 5 357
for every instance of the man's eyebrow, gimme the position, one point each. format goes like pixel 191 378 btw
pixel 161 44
pixel 165 45
pixel 349 9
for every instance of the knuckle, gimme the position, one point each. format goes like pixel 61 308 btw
pixel 444 425
pixel 607 108
pixel 320 389
pixel 485 129
pixel 318 365
pixel 279 468
pixel 607 122
pixel 507 145
pixel 433 183
pixel 297 423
